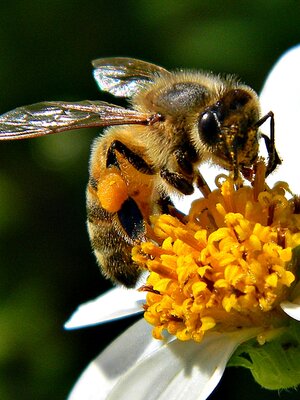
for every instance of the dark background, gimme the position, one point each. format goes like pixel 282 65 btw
pixel 47 268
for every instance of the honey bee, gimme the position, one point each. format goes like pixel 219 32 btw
pixel 153 148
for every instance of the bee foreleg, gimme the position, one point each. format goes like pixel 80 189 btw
pixel 274 159
pixel 165 203
pixel 178 181
pixel 134 159
pixel 202 185
pixel 186 156
pixel 273 156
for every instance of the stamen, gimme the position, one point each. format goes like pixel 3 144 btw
pixel 227 266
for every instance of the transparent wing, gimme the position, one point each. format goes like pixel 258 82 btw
pixel 56 116
pixel 123 77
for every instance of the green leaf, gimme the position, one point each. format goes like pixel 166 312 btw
pixel 274 365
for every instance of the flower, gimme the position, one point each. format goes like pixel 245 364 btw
pixel 231 274
pixel 235 285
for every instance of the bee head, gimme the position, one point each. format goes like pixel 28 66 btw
pixel 227 128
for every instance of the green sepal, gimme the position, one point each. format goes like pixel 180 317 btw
pixel 274 365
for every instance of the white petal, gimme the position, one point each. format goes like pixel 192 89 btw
pixel 116 303
pixel 179 370
pixel 99 377
pixel 292 308
pixel 281 95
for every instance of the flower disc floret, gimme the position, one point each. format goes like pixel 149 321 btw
pixel 227 266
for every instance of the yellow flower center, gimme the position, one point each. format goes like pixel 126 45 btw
pixel 226 266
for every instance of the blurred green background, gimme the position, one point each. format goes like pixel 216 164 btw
pixel 47 268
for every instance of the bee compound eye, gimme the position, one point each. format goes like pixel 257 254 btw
pixel 209 127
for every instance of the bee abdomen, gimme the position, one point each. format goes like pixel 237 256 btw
pixel 112 236
pixel 118 266
pixel 113 253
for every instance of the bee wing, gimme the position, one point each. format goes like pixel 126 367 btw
pixel 56 116
pixel 123 77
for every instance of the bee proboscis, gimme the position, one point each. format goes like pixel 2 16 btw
pixel 153 148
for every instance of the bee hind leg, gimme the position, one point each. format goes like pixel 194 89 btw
pixel 131 220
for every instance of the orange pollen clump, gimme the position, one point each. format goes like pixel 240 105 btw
pixel 112 191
